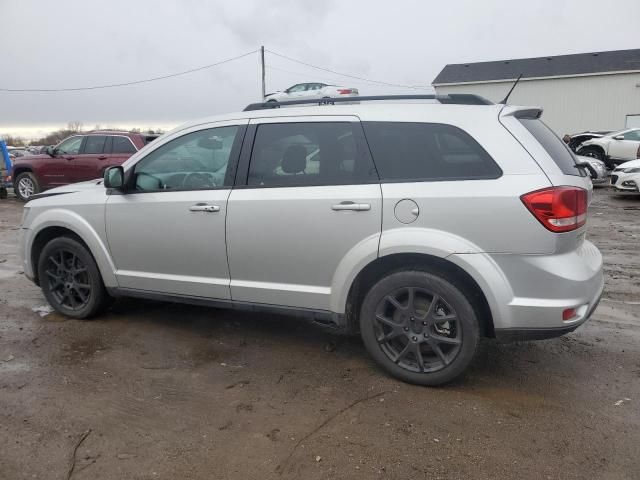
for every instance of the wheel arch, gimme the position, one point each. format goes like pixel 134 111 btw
pixel 384 265
pixel 20 169
pixel 69 224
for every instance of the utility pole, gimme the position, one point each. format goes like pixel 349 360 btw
pixel 263 77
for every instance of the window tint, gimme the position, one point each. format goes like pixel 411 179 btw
pixel 555 147
pixel 122 145
pixel 94 144
pixel 70 146
pixel 195 161
pixel 632 135
pixel 427 151
pixel 292 154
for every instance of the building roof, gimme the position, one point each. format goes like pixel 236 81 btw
pixel 561 65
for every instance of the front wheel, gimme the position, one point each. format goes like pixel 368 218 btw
pixel 25 186
pixel 70 279
pixel 419 327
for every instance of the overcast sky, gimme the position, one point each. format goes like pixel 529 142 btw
pixel 76 43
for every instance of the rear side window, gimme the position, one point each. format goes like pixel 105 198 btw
pixel 94 144
pixel 297 154
pixel 122 145
pixel 427 152
pixel 555 147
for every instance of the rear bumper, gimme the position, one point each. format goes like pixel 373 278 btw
pixel 507 335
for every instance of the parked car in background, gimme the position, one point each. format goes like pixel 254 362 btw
pixel 574 141
pixel 597 172
pixel 613 148
pixel 80 157
pixel 626 177
pixel 305 91
pixel 422 226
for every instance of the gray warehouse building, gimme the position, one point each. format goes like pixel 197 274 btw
pixel 587 91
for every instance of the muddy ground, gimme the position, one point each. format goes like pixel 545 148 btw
pixel 155 390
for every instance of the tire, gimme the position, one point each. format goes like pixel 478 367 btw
pixel 597 154
pixel 3 193
pixel 70 279
pixel 406 339
pixel 26 185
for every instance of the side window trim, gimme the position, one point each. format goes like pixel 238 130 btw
pixel 229 174
pixel 108 145
pixel 241 180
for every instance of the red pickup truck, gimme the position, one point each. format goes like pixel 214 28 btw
pixel 80 157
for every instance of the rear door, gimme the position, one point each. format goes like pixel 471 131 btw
pixel 306 195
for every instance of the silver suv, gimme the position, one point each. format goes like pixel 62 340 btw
pixel 424 225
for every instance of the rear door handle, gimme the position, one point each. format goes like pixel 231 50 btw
pixel 102 157
pixel 203 207
pixel 358 207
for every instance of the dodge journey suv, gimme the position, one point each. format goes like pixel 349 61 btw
pixel 422 225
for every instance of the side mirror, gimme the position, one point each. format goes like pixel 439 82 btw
pixel 114 177
pixel 619 137
pixel 51 151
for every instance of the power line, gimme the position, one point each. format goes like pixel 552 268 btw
pixel 125 84
pixel 346 74
pixel 271 67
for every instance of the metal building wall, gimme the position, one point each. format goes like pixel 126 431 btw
pixel 572 104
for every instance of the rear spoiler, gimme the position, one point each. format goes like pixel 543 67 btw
pixel 521 112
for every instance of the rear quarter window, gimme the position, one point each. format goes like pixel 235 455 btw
pixel 555 147
pixel 417 152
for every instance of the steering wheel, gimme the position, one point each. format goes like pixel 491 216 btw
pixel 196 180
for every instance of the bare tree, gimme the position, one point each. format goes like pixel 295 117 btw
pixel 74 126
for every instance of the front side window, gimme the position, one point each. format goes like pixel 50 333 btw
pixel 122 145
pixel 94 144
pixel 298 88
pixel 195 161
pixel 70 146
pixel 633 135
pixel 297 154
pixel 427 152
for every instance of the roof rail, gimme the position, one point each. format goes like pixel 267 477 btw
pixel 452 98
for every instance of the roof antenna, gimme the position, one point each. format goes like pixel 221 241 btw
pixel 504 101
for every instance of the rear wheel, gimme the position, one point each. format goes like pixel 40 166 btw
pixel 419 327
pixel 25 186
pixel 70 279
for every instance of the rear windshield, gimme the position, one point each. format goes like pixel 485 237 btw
pixel 555 147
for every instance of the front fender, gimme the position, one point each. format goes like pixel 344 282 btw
pixel 58 217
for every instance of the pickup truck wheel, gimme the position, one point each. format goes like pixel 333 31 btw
pixel 25 186
pixel 419 327
pixel 70 279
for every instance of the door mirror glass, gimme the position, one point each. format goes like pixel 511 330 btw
pixel 51 151
pixel 114 177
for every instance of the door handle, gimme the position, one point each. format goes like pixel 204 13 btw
pixel 102 157
pixel 70 158
pixel 357 207
pixel 203 207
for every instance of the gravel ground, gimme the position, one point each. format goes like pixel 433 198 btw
pixel 153 390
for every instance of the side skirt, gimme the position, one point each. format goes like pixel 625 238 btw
pixel 322 317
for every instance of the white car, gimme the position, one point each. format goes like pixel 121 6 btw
pixel 614 148
pixel 626 177
pixel 303 91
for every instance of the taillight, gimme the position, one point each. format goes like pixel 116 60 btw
pixel 345 91
pixel 559 209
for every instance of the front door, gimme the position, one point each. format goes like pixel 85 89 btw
pixel 87 162
pixel 309 195
pixel 627 148
pixel 59 169
pixel 167 234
